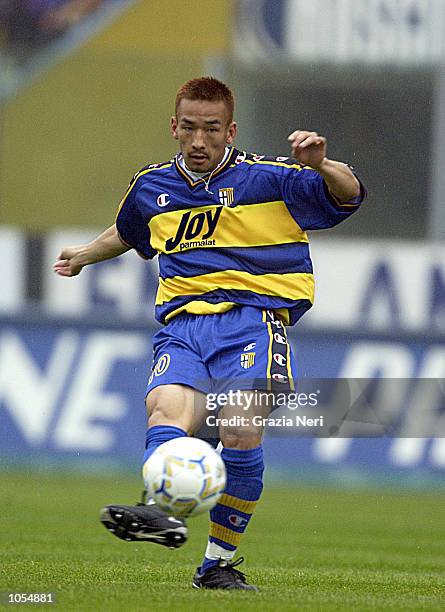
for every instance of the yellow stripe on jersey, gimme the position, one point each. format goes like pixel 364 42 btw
pixel 198 307
pixel 250 225
pixel 292 286
pixel 133 182
pixel 275 163
pixel 283 315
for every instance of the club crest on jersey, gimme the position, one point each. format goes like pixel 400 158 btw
pixel 247 360
pixel 226 196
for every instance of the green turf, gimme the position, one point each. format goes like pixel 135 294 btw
pixel 307 549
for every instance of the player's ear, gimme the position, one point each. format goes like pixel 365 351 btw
pixel 174 127
pixel 231 132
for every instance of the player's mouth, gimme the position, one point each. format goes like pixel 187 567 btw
pixel 198 158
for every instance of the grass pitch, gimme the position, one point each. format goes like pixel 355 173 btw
pixel 307 549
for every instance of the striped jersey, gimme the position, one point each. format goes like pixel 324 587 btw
pixel 235 238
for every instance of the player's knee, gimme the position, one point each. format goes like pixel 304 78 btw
pixel 163 409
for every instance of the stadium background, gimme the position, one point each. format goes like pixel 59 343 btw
pixel 86 104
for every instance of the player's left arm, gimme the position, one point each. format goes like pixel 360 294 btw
pixel 310 149
pixel 73 259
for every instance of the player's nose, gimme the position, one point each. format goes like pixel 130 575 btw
pixel 198 140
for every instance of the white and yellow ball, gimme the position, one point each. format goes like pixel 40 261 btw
pixel 185 476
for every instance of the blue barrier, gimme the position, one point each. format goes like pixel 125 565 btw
pixel 73 390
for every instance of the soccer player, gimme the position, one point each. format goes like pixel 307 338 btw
pixel 229 228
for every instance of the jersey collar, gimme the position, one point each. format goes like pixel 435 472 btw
pixel 190 177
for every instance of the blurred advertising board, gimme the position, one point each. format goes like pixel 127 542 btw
pixel 372 285
pixel 75 392
pixel 360 284
pixel 12 270
pixel 393 32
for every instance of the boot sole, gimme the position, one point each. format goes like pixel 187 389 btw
pixel 127 526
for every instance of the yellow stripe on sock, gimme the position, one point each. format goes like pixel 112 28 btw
pixel 224 534
pixel 237 504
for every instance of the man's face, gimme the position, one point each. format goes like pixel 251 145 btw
pixel 203 130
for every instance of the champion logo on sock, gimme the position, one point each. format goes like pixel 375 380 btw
pixel 236 520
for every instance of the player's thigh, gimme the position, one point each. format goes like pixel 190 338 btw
pixel 241 420
pixel 255 352
pixel 175 388
pixel 176 405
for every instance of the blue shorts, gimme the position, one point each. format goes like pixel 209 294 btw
pixel 241 349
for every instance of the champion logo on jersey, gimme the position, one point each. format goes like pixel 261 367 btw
pixel 240 157
pixel 279 338
pixel 280 359
pixel 280 377
pixel 163 199
pixel 250 346
pixel 247 360
pixel 226 196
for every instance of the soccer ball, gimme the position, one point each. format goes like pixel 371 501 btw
pixel 185 476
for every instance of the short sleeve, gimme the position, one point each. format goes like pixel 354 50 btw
pixel 132 225
pixel 312 205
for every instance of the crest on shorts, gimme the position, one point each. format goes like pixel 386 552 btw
pixel 247 360
pixel 226 196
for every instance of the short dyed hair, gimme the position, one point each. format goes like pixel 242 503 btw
pixel 206 88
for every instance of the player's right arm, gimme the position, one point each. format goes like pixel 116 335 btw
pixel 106 246
pixel 323 192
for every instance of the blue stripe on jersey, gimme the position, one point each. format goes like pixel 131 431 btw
pixel 255 260
pixel 297 308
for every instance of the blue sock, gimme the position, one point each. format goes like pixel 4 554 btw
pixel 159 434
pixel 231 515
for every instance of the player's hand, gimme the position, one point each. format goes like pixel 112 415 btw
pixel 69 262
pixel 308 147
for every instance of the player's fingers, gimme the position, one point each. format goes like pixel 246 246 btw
pixel 293 135
pixel 312 139
pixel 60 263
pixel 63 272
pixel 298 138
pixel 300 135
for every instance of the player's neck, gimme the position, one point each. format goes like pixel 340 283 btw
pixel 199 175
